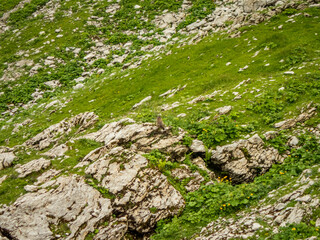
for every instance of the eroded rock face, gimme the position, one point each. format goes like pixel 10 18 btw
pixel 145 136
pixel 140 195
pixel 70 200
pixel 254 5
pixel 57 151
pixel 245 159
pixel 304 116
pixel 6 157
pixel 52 133
pixel 33 166
pixel 151 197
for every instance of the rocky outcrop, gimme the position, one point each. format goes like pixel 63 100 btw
pixel 245 159
pixel 145 137
pixel 304 116
pixel 57 151
pixel 67 199
pixel 56 131
pixel 122 187
pixel 275 215
pixel 6 157
pixel 32 166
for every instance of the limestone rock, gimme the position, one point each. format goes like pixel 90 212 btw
pixel 57 151
pixel 73 201
pixel 224 110
pixel 245 159
pixel 197 146
pixel 6 158
pixel 116 230
pixel 3 178
pixel 294 141
pixel 51 134
pixel 33 166
pixel 289 123
pixel 141 102
pixel 146 136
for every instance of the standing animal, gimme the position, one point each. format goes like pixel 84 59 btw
pixel 160 123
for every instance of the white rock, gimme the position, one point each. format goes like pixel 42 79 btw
pixel 141 102
pixel 289 73
pixel 3 178
pixel 181 115
pixel 78 86
pixel 33 166
pixel 306 198
pixel 294 141
pixel 197 146
pixel 90 56
pixel 6 158
pixel 256 226
pixel 224 110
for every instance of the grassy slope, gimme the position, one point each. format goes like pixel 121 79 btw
pixel 203 68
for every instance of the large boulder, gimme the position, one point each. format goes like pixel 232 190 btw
pixel 67 199
pixel 245 159
pixel 32 166
pixel 6 157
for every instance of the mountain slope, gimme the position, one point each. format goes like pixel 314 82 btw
pixel 82 157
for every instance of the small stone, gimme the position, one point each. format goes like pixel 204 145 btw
pixel 293 141
pixel 224 110
pixel 141 102
pixel 197 146
pixel 182 115
pixel 289 73
pixel 256 226
pixel 78 86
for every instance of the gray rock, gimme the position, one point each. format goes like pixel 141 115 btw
pixel 256 226
pixel 78 86
pixel 141 102
pixel 57 151
pixel 33 166
pixel 6 158
pixel 3 178
pixel 318 222
pixel 72 201
pixel 295 216
pixel 197 146
pixel 242 158
pixel 294 141
pixel 289 123
pixel 224 110
pixel 54 132
pixel 306 198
